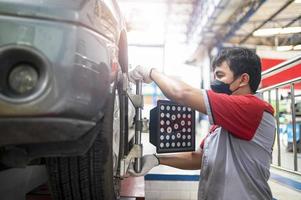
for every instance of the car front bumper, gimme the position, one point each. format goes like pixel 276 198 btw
pixel 70 101
pixel 41 130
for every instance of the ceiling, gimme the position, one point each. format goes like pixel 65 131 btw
pixel 211 23
pixel 265 14
pixel 157 21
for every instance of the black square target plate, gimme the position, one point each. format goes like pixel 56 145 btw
pixel 172 127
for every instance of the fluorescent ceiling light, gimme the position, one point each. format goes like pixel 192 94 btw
pixel 289 30
pixel 284 48
pixel 266 32
pixel 276 31
pixel 297 47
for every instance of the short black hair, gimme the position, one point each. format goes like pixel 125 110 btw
pixel 241 60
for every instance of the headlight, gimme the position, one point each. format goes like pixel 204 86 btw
pixel 23 79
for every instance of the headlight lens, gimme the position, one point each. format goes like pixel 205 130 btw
pixel 23 79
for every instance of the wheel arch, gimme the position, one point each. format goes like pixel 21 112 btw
pixel 123 51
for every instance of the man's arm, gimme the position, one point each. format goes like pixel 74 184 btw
pixel 179 92
pixel 187 160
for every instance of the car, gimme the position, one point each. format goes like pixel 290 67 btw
pixel 63 93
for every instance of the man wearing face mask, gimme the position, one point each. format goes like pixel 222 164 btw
pixel 235 156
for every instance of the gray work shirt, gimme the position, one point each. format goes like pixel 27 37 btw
pixel 238 152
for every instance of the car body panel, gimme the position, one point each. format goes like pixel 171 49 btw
pixel 79 46
pixel 100 16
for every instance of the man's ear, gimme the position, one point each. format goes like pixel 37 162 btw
pixel 245 79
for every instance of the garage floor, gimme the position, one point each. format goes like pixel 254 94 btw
pixel 132 189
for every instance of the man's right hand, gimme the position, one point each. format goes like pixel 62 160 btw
pixel 148 162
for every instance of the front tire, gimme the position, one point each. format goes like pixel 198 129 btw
pixel 90 176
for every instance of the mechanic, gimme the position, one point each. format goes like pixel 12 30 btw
pixel 235 156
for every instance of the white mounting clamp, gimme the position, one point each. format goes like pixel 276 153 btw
pixel 136 152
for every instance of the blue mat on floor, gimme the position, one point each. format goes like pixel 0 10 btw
pixel 286 181
pixel 181 177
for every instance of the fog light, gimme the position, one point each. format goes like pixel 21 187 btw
pixel 23 79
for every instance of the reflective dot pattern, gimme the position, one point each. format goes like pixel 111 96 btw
pixel 176 126
pixel 176 131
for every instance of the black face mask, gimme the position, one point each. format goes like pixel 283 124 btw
pixel 221 87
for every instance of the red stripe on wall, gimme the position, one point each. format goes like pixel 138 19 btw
pixel 293 72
